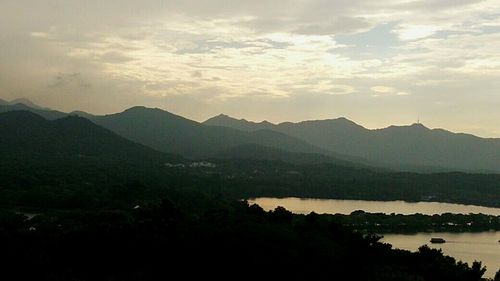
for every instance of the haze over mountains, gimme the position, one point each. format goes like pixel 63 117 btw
pixel 411 148
pixel 26 135
pixel 45 113
pixel 23 101
pixel 170 133
pixel 167 132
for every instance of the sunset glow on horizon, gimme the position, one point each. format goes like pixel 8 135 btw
pixel 376 63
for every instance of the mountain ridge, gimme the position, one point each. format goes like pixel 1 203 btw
pixel 399 147
pixel 26 133
pixel 405 148
pixel 168 132
pixel 45 113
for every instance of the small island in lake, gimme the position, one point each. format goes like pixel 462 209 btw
pixel 438 240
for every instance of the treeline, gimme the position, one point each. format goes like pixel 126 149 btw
pixel 395 223
pixel 191 235
pixel 81 182
pixel 279 179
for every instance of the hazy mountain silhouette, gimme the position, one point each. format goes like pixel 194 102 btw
pixel 45 113
pixel 24 101
pixel 25 133
pixel 241 124
pixel 413 147
pixel 168 132
pixel 82 114
pixel 27 102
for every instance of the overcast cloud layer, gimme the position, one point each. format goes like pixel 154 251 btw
pixel 375 62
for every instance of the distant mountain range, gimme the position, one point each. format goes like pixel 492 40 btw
pixel 24 101
pixel 167 132
pixel 413 147
pixel 45 113
pixel 170 133
pixel 26 136
pixel 407 148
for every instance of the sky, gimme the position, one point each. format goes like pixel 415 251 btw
pixel 375 62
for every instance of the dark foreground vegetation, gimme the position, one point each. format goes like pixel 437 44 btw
pixel 191 235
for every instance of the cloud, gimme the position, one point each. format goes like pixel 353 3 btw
pixel 115 57
pixel 307 55
pixel 69 79
pixel 335 26
pixel 381 91
pixel 407 33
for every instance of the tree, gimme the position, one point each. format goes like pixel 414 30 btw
pixel 477 270
pixel 281 215
pixel 497 276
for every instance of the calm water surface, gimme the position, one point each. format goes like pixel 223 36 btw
pixel 334 206
pixel 483 246
pixel 467 247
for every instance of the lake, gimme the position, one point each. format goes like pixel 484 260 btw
pixel 483 246
pixel 467 247
pixel 335 206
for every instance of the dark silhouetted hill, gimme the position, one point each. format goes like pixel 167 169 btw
pixel 168 132
pixel 27 134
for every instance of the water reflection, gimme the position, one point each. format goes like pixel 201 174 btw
pixel 334 206
pixel 468 247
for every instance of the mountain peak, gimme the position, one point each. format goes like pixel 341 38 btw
pixel 26 102
pixel 415 127
pixel 148 110
pixel 137 108
pixel 225 117
pixel 221 118
pixel 418 126
pixel 67 137
pixel 82 114
pixel 346 121
pixel 144 117
pixel 340 122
